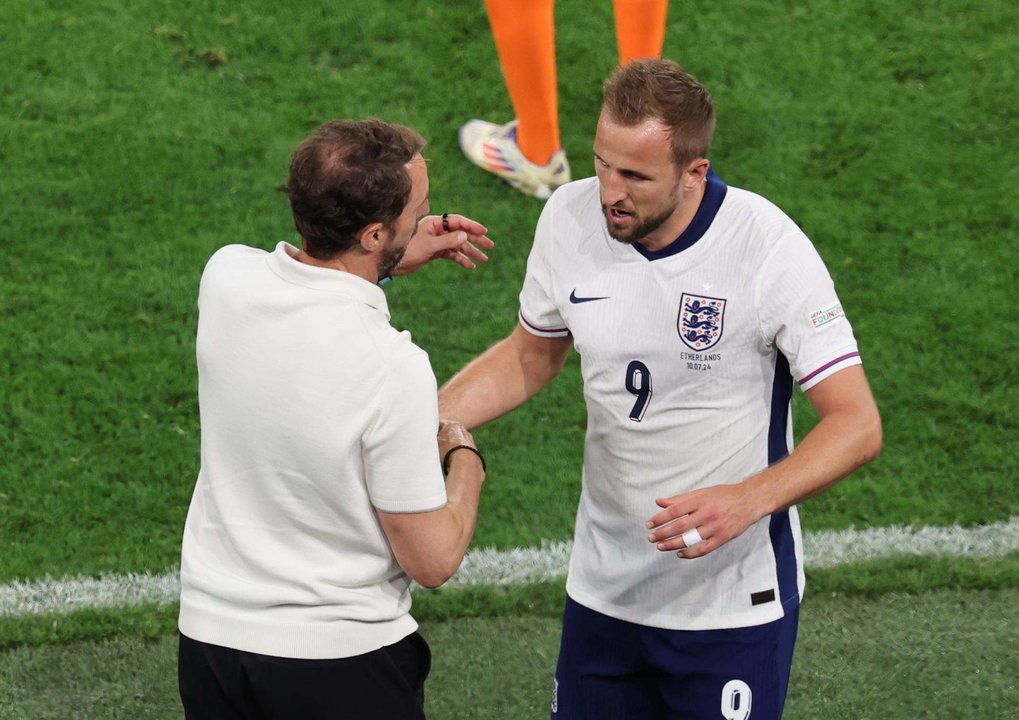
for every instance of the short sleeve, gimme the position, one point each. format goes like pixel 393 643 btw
pixel 538 312
pixel 801 314
pixel 401 453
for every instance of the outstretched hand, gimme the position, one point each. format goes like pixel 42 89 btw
pixel 462 243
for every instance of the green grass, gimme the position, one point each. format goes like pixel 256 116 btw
pixel 137 138
pixel 866 580
pixel 943 654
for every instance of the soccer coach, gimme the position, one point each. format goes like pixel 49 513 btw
pixel 321 492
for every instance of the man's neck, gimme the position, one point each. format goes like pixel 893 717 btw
pixel 344 263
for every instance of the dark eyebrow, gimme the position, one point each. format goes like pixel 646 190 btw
pixel 635 174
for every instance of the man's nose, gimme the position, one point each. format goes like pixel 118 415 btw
pixel 613 189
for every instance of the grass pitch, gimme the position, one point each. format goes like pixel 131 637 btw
pixel 137 138
pixel 870 659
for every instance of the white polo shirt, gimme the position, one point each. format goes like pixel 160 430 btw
pixel 688 356
pixel 315 412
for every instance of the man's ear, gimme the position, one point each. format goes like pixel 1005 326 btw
pixel 372 236
pixel 695 173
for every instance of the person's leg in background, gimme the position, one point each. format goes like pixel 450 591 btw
pixel 525 152
pixel 524 35
pixel 640 28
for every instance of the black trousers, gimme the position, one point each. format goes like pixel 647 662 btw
pixel 218 683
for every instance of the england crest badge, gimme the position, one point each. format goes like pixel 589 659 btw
pixel 700 321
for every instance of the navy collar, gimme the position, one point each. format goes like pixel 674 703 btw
pixel 714 194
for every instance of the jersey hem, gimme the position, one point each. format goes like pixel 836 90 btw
pixel 304 641
pixel 539 331
pixel 671 621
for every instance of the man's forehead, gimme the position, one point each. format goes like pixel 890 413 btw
pixel 651 129
pixel 417 167
pixel 645 147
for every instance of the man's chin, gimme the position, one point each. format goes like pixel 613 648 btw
pixel 388 265
pixel 624 237
pixel 617 233
pixel 637 229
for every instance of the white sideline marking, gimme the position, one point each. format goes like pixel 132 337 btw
pixel 526 565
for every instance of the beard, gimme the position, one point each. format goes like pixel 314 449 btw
pixel 389 261
pixel 641 228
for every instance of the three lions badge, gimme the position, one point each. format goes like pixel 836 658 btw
pixel 700 321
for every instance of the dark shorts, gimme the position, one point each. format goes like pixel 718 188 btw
pixel 226 684
pixel 612 669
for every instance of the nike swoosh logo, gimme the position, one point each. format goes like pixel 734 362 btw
pixel 576 300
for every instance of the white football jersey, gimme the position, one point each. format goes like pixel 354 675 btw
pixel 688 356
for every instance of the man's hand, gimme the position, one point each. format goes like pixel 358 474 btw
pixel 717 515
pixel 451 436
pixel 847 436
pixel 460 240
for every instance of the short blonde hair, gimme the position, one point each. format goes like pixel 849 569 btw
pixel 661 90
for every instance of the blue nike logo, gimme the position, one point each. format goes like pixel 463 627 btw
pixel 575 300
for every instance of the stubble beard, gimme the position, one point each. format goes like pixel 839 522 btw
pixel 642 227
pixel 640 230
pixel 389 261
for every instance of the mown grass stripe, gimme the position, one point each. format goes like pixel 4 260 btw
pixel 527 565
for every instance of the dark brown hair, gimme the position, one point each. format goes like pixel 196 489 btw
pixel 346 175
pixel 661 90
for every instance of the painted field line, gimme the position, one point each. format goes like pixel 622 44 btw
pixel 527 565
